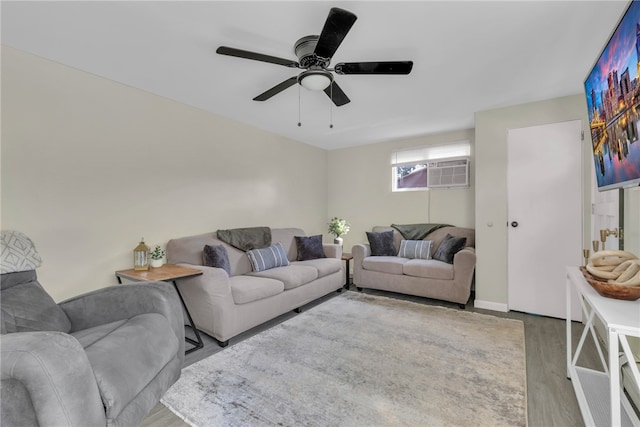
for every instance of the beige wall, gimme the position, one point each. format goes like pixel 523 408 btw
pixel 631 225
pixel 89 166
pixel 360 189
pixel 491 187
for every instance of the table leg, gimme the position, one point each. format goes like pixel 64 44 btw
pixel 568 325
pixel 614 377
pixel 197 344
pixel 347 279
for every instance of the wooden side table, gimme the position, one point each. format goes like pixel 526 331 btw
pixel 167 273
pixel 347 257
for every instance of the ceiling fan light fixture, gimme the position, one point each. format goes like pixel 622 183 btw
pixel 315 80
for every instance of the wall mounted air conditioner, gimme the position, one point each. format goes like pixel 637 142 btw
pixel 449 173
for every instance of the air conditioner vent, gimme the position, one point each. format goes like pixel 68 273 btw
pixel 449 173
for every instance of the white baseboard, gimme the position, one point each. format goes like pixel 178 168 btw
pixel 490 305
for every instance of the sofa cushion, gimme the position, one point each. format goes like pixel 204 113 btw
pixel 216 256
pixel 291 276
pixel 381 243
pixel 128 356
pixel 412 249
pixel 325 266
pixel 384 264
pixel 247 288
pixel 86 337
pixel 267 258
pixel 309 247
pixel 430 269
pixel 449 247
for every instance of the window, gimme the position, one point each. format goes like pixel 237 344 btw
pixel 410 166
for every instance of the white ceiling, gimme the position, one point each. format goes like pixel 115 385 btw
pixel 468 57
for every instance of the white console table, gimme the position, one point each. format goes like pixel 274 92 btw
pixel 599 393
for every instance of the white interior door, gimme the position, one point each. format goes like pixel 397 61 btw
pixel 544 181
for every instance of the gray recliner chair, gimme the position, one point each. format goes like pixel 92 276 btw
pixel 101 358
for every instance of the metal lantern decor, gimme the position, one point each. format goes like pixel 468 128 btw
pixel 141 256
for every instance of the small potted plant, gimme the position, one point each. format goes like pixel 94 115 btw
pixel 338 227
pixel 156 255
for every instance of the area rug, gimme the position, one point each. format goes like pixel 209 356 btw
pixel 363 360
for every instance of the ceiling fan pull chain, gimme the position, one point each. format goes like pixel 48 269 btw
pixel 299 122
pixel 331 107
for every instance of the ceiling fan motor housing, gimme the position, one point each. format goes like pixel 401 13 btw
pixel 304 50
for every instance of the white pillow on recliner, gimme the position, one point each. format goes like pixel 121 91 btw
pixel 17 253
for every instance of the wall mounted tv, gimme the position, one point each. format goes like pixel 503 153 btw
pixel 613 98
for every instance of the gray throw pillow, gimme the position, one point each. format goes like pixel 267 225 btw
pixel 449 247
pixel 268 258
pixel 309 247
pixel 382 243
pixel 415 249
pixel 216 256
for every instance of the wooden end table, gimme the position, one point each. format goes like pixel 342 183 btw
pixel 347 257
pixel 167 273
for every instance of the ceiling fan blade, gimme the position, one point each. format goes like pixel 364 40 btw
pixel 336 27
pixel 230 51
pixel 276 89
pixel 334 92
pixel 383 67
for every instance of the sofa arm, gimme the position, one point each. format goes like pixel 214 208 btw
pixel 332 250
pixel 213 281
pixel 119 302
pixel 464 264
pixel 359 252
pixel 47 380
pixel 208 296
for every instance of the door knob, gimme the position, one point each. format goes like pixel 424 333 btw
pixel 514 224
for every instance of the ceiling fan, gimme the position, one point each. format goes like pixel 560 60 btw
pixel 314 56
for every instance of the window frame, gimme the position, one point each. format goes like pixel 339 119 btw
pixel 422 155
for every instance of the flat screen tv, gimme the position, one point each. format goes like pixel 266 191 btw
pixel 612 89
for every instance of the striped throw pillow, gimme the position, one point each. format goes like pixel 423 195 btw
pixel 415 249
pixel 267 258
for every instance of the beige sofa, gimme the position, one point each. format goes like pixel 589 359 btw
pixel 422 277
pixel 224 305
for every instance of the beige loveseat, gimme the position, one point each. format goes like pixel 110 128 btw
pixel 422 277
pixel 224 305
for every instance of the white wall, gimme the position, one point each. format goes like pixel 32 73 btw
pixel 90 166
pixel 360 189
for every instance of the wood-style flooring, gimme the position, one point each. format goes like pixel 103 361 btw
pixel 550 397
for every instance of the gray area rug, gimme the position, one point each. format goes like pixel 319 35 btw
pixel 363 360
